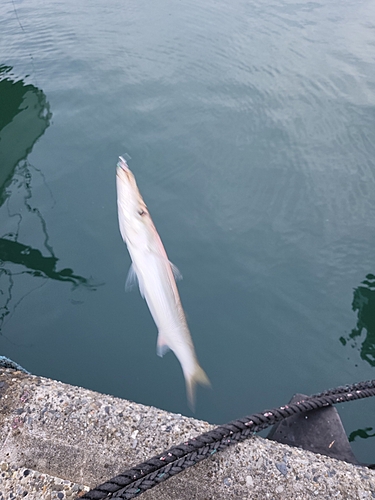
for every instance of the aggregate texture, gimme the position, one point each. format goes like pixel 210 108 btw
pixel 57 441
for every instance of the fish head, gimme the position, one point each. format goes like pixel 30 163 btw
pixel 133 213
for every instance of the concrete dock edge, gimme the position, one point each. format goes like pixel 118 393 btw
pixel 59 440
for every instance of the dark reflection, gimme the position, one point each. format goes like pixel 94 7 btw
pixel 361 433
pixel 364 304
pixel 24 117
pixel 36 263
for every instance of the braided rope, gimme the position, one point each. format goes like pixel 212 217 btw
pixel 157 469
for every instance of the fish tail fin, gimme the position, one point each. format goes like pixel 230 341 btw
pixel 198 377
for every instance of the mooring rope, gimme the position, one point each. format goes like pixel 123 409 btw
pixel 9 363
pixel 157 469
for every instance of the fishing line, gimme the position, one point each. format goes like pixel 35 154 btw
pixel 23 29
pixel 18 19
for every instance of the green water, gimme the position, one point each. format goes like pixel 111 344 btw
pixel 250 129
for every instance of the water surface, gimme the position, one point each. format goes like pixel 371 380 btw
pixel 250 129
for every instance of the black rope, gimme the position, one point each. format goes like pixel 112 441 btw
pixel 157 469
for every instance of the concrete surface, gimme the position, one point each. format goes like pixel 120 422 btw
pixel 57 440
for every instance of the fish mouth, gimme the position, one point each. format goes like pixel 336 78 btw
pixel 122 164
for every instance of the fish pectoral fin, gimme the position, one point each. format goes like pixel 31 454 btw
pixel 161 347
pixel 132 281
pixel 176 272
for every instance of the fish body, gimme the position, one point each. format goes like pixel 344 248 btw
pixel 156 278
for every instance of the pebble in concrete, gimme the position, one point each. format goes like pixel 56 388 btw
pixel 17 483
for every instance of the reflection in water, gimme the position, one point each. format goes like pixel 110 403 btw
pixel 362 433
pixel 364 304
pixel 25 115
pixel 35 262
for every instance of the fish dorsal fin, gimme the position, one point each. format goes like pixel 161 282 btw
pixel 132 280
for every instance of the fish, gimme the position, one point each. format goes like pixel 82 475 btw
pixel 156 277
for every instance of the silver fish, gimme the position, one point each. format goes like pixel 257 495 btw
pixel 156 278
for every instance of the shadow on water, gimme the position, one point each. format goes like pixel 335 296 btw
pixel 364 304
pixel 25 116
